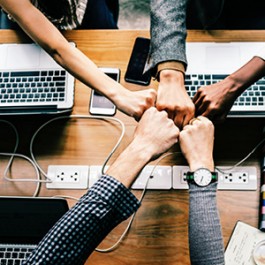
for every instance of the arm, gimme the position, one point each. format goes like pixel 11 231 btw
pixel 215 101
pixel 205 235
pixel 75 236
pixel 168 58
pixel 73 60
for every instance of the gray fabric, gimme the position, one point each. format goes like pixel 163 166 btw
pixel 205 235
pixel 168 32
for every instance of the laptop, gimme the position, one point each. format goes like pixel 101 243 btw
pixel 210 62
pixel 31 82
pixel 24 221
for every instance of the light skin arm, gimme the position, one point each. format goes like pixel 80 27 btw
pixel 205 234
pixel 215 101
pixel 168 42
pixel 173 98
pixel 149 142
pixel 73 60
pixel 196 142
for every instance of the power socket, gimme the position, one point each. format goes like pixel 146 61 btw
pixel 68 177
pixel 240 178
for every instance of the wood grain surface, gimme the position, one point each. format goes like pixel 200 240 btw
pixel 159 233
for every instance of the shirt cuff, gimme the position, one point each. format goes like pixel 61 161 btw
pixel 116 195
pixel 170 65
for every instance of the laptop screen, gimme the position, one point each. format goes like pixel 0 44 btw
pixel 27 220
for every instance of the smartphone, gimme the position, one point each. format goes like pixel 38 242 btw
pixel 99 104
pixel 134 73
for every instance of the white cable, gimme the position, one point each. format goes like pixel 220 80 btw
pixel 81 117
pixel 12 155
pixel 115 245
pixel 223 171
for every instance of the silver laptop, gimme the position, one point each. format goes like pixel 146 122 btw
pixel 24 222
pixel 210 62
pixel 31 82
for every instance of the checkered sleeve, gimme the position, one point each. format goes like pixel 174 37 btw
pixel 74 237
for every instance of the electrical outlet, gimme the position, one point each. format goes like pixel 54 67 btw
pixel 68 177
pixel 240 178
pixel 161 179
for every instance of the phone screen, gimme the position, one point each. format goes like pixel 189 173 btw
pixel 99 104
pixel 136 65
pixel 99 101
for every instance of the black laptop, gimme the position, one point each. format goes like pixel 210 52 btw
pixel 24 221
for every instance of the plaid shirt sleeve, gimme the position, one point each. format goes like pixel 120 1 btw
pixel 75 236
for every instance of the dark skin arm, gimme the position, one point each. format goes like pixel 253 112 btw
pixel 215 101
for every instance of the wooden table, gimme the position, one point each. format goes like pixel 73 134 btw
pixel 159 234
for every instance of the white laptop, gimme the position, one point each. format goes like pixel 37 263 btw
pixel 209 62
pixel 31 82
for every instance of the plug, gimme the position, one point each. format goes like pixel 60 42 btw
pixel 68 177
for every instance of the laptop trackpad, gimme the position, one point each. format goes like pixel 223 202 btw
pixel 18 56
pixel 221 58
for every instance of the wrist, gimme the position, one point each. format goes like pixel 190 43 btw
pixel 171 76
pixel 209 164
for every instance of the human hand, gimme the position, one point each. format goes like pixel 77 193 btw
pixel 155 133
pixel 135 103
pixel 215 101
pixel 196 142
pixel 173 98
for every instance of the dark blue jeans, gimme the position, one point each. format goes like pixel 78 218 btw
pixel 100 14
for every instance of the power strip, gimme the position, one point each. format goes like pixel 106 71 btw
pixel 241 178
pixel 163 177
pixel 68 177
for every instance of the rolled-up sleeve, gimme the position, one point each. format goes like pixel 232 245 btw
pixel 168 32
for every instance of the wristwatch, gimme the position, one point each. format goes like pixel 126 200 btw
pixel 201 177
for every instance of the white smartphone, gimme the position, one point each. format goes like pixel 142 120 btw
pixel 99 104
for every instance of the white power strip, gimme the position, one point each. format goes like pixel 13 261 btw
pixel 163 177
pixel 241 178
pixel 68 177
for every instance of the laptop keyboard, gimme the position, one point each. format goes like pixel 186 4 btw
pixel 32 87
pixel 14 255
pixel 253 96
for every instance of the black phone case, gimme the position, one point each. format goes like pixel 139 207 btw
pixel 136 65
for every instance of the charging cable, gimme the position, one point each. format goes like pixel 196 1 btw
pixel 78 117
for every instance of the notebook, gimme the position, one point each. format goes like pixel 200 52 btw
pixel 210 62
pixel 31 82
pixel 23 223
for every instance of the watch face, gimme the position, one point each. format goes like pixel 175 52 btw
pixel 202 177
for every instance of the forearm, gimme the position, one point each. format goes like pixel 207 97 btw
pixel 75 236
pixel 56 45
pixel 85 70
pixel 205 236
pixel 129 164
pixel 168 31
pixel 246 75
